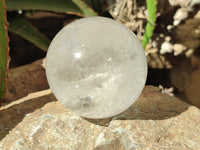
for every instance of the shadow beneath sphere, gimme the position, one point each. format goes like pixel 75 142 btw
pixel 151 105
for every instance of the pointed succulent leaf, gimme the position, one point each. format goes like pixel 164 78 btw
pixel 4 49
pixel 24 29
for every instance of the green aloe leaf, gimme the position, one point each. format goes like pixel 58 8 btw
pixel 77 7
pixel 24 29
pixel 151 8
pixel 87 11
pixel 4 49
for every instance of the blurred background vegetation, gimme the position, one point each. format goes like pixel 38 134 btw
pixel 169 31
pixel 20 13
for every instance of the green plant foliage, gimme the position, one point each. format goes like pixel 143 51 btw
pixel 77 7
pixel 151 8
pixel 4 57
pixel 24 29
pixel 87 11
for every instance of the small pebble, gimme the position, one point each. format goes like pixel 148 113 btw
pixel 166 47
pixel 178 49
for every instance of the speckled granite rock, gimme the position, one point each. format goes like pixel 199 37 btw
pixel 154 121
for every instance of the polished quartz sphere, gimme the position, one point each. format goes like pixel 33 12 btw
pixel 96 67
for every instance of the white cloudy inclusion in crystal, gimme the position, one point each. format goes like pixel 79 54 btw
pixel 96 67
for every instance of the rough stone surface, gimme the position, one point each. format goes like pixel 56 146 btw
pixel 154 121
pixel 191 91
pixel 13 113
pixel 188 34
pixel 24 80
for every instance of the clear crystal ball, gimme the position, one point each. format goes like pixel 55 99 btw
pixel 96 67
